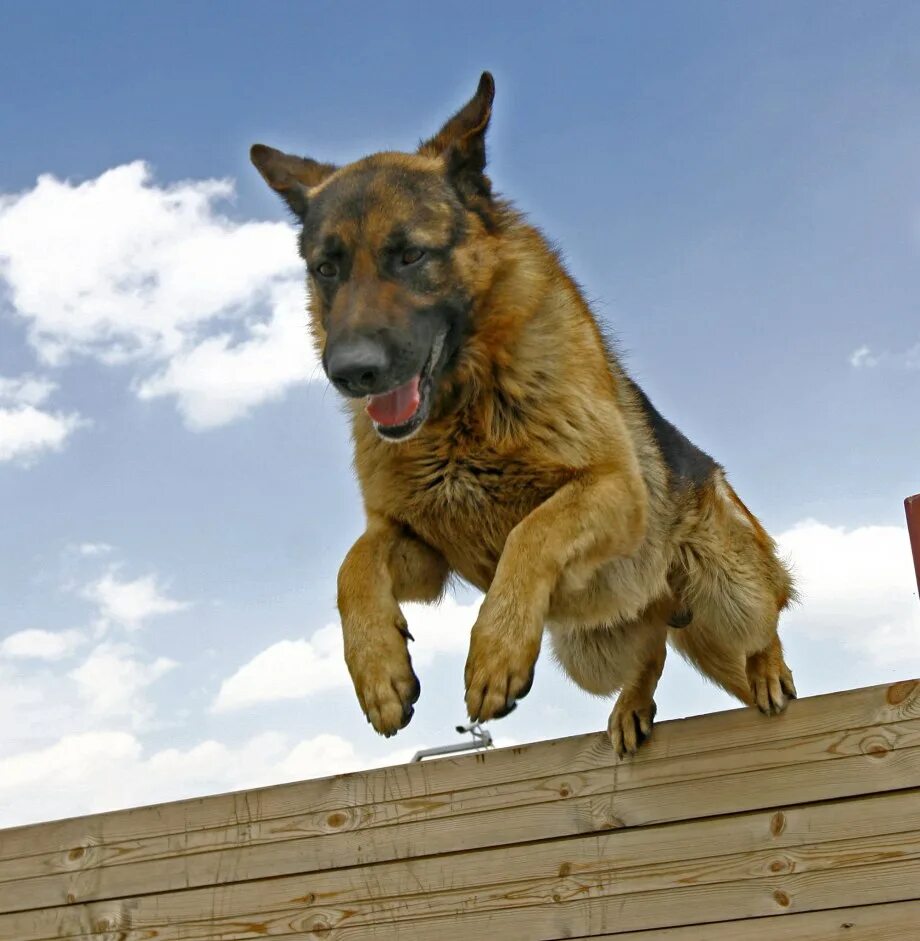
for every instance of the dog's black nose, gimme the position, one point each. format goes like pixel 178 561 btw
pixel 358 366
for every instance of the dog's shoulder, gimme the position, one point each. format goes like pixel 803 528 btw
pixel 686 463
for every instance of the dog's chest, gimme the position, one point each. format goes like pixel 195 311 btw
pixel 466 505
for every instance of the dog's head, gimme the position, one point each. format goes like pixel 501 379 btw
pixel 396 251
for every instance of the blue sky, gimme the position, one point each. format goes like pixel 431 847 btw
pixel 737 187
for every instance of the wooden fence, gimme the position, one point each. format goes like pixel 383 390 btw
pixel 726 826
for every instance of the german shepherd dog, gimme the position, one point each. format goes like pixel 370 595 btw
pixel 497 438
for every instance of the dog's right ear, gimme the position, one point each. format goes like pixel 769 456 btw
pixel 461 142
pixel 289 176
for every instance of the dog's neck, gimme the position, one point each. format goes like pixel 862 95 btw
pixel 529 330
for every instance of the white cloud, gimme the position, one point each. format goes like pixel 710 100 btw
pixel 26 431
pixel 43 692
pixel 289 669
pixel 94 548
pixel 156 275
pixel 36 702
pixel 218 381
pixel 294 669
pixel 67 761
pixel 41 645
pixel 109 688
pixel 25 390
pixel 107 770
pixel 858 589
pixel 309 758
pixel 112 681
pixel 864 358
pixel 130 603
pixel 441 629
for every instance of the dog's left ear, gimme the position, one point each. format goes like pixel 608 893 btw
pixel 462 142
pixel 289 176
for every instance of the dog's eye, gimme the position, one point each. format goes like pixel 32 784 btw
pixel 327 270
pixel 411 256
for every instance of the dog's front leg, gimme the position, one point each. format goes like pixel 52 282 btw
pixel 387 564
pixel 595 517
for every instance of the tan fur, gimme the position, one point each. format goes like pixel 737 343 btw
pixel 537 479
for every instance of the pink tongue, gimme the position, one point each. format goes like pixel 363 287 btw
pixel 396 407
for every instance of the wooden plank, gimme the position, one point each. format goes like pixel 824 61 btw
pixel 895 921
pixel 699 855
pixel 545 919
pixel 73 839
pixel 624 795
pixel 864 761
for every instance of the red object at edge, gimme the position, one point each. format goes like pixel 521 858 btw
pixel 912 509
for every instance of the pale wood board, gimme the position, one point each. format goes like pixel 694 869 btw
pixel 858 774
pixel 622 795
pixel 838 836
pixel 894 921
pixel 543 920
pixel 728 825
pixel 683 737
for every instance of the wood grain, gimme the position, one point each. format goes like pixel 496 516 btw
pixel 725 823
pixel 879 705
pixel 540 808
pixel 896 921
pixel 865 761
pixel 532 911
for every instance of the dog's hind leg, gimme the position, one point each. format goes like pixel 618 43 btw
pixel 720 662
pixel 760 679
pixel 628 658
pixel 733 637
pixel 630 723
pixel 731 577
pixel 769 678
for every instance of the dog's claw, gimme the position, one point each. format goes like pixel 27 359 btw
pixel 770 682
pixel 630 725
pixel 483 700
pixel 504 647
pixel 386 686
pixel 509 708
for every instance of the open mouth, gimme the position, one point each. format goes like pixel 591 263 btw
pixel 399 413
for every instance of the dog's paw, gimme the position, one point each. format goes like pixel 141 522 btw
pixel 500 666
pixel 770 681
pixel 384 681
pixel 630 724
